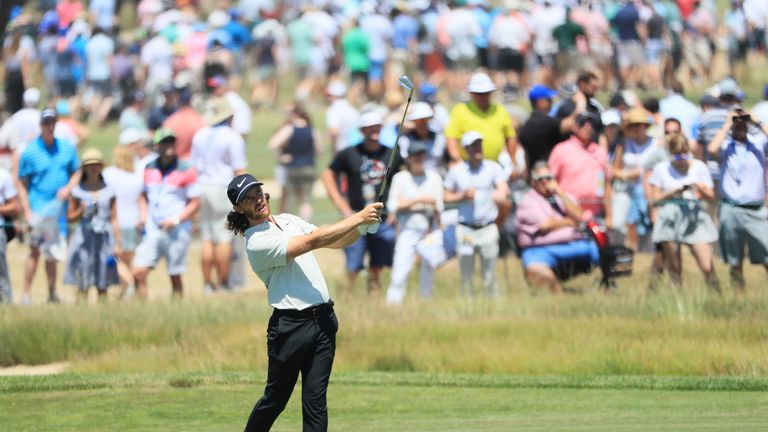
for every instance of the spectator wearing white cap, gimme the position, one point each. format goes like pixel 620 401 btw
pixel 218 155
pixel 416 198
pixel 365 167
pixel 341 117
pixel 479 187
pixel 421 132
pixel 480 114
pixel 612 133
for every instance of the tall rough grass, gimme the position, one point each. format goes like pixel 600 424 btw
pixel 686 332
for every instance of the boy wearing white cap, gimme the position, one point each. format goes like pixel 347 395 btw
pixel 365 166
pixel 479 187
pixel 491 120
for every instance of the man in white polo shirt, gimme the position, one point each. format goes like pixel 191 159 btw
pixel 218 154
pixel 301 334
pixel 479 187
pixel 741 147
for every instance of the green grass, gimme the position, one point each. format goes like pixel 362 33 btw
pixel 386 402
pixel 632 332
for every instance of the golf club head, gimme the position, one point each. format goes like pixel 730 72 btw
pixel 405 82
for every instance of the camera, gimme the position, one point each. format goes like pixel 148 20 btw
pixel 742 118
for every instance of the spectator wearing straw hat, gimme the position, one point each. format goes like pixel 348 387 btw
pixel 218 155
pixel 630 208
pixel 170 200
pixel 479 187
pixel 91 259
pixel 481 115
pixel 241 112
pixel 126 178
pixel 365 166
pixel 46 175
pixel 741 147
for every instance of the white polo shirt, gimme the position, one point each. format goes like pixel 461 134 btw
pixel 291 284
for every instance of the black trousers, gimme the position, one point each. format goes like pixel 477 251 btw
pixel 298 341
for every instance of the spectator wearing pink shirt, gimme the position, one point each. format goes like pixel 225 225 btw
pixel 581 166
pixel 547 221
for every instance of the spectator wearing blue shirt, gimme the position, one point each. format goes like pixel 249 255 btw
pixel 405 32
pixel 46 175
pixel 485 19
pixel 239 41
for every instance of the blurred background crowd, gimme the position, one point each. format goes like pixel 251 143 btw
pixel 528 119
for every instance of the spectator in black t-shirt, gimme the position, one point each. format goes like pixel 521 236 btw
pixel 158 115
pixel 541 132
pixel 584 100
pixel 365 166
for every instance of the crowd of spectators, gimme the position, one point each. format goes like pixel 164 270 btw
pixel 477 172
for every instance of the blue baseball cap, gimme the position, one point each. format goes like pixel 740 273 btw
pixel 540 91
pixel 427 89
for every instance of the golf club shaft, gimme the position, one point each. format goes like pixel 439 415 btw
pixel 394 148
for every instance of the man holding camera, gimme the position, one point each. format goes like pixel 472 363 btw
pixel 741 146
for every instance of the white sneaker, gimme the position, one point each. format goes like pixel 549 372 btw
pixel 26 300
pixel 209 289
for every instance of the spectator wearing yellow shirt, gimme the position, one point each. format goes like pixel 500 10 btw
pixel 480 114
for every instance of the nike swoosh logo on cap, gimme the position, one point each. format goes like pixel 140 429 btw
pixel 241 183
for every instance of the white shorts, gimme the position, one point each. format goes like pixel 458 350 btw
pixel 46 236
pixel 214 207
pixel 171 245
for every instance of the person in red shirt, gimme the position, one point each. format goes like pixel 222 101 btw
pixel 581 166
pixel 185 122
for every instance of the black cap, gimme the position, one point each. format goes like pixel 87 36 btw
pixel 585 116
pixel 239 185
pixel 417 147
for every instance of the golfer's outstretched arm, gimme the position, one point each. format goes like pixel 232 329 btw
pixel 329 235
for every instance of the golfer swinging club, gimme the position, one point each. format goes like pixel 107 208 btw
pixel 301 334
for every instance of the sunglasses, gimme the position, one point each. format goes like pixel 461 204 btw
pixel 544 177
pixel 681 157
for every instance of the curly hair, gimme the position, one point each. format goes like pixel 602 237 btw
pixel 237 223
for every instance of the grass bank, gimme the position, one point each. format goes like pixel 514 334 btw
pixel 384 402
pixel 682 333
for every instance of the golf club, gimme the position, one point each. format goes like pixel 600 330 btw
pixel 406 83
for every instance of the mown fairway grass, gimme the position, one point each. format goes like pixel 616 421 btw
pixel 387 402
